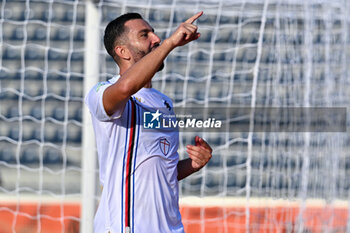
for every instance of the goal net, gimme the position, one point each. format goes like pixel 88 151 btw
pixel 279 165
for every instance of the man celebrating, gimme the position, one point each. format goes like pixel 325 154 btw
pixel 139 168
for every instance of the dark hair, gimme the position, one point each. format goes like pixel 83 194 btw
pixel 115 30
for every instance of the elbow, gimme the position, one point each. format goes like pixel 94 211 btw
pixel 127 87
pixel 125 90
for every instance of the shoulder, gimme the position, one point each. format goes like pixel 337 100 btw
pixel 100 85
pixel 99 88
pixel 162 95
pixel 94 98
pixel 166 101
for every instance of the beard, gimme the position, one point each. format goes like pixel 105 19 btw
pixel 161 67
pixel 140 54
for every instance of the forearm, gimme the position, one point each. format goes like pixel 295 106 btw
pixel 184 168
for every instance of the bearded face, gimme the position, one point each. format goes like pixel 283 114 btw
pixel 141 39
pixel 138 52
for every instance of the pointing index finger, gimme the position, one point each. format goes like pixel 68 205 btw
pixel 194 17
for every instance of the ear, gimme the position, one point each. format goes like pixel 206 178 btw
pixel 122 52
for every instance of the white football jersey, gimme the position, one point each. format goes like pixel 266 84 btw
pixel 138 166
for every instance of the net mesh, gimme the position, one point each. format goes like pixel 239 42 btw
pixel 250 54
pixel 41 100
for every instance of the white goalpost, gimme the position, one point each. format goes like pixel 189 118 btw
pixel 282 162
pixel 89 179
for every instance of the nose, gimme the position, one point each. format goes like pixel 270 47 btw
pixel 155 39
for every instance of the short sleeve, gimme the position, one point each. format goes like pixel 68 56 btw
pixel 95 104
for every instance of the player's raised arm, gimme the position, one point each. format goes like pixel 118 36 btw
pixel 135 73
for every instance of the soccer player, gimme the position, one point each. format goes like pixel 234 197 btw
pixel 139 168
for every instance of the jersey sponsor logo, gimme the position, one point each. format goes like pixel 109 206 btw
pixel 164 145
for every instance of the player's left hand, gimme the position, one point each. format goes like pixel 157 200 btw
pixel 200 153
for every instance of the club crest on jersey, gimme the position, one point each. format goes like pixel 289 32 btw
pixel 164 145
